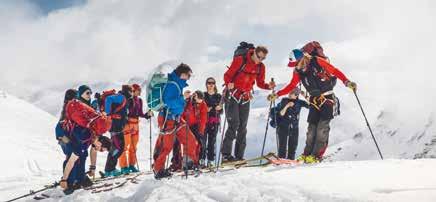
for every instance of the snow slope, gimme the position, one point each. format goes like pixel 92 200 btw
pixel 30 155
pixel 390 180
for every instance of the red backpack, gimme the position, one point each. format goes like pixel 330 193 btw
pixel 77 112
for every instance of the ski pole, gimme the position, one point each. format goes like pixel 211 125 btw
pixel 367 123
pixel 151 164
pixel 54 185
pixel 219 159
pixel 266 128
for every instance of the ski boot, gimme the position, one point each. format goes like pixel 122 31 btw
pixel 228 158
pixel 164 173
pixel 86 182
pixel 302 158
pixel 210 164
pixel 133 169
pixel 113 173
pixel 311 159
pixel 125 171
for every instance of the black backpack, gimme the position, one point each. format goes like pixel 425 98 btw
pixel 242 50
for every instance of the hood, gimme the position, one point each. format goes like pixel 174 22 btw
pixel 173 77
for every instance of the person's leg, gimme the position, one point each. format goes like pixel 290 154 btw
pixel 293 142
pixel 310 138
pixel 116 150
pixel 212 131
pixel 132 150
pixel 191 146
pixel 283 132
pixel 322 137
pixel 176 160
pixel 232 115
pixel 241 137
pixel 164 145
pixel 124 156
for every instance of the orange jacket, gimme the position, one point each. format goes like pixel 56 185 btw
pixel 196 114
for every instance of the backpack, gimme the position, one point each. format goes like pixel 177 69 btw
pixel 273 116
pixel 242 50
pixel 155 89
pixel 77 112
pixel 106 94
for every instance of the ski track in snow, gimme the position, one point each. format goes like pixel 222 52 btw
pixel 389 180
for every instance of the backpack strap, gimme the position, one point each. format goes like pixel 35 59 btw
pixel 121 106
pixel 177 85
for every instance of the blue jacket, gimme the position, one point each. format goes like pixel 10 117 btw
pixel 292 115
pixel 94 104
pixel 173 96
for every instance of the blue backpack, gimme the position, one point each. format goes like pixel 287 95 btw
pixel 155 89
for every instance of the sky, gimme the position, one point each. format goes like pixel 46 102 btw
pixel 385 46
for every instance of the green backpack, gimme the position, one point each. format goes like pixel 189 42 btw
pixel 155 89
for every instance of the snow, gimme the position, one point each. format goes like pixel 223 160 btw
pixel 389 180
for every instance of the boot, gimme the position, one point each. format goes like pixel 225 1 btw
pixel 125 171
pixel 164 173
pixel 86 182
pixel 311 159
pixel 113 173
pixel 133 169
pixel 228 158
pixel 302 158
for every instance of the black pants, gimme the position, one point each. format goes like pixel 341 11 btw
pixel 211 133
pixel 201 139
pixel 288 141
pixel 115 152
pixel 237 118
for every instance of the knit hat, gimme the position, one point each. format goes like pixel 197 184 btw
pixel 298 54
pixel 82 89
pixel 136 87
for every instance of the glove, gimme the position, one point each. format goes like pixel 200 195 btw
pixel 271 97
pixel 351 85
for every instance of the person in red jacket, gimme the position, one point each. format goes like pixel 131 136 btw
pixel 316 75
pixel 244 72
pixel 195 114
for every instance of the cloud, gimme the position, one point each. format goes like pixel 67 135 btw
pixel 386 46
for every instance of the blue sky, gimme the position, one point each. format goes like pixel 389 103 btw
pixel 47 6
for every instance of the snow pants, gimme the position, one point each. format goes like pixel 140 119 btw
pixel 165 142
pixel 117 147
pixel 211 133
pixel 131 138
pixel 237 118
pixel 288 140
pixel 317 138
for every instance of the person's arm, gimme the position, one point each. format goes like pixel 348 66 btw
pixel 68 167
pixel 141 111
pixel 203 117
pixel 295 80
pixel 332 69
pixel 304 103
pixel 285 108
pixel 260 79
pixel 233 69
pixel 113 99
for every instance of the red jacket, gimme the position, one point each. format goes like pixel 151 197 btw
pixel 196 114
pixel 244 81
pixel 324 64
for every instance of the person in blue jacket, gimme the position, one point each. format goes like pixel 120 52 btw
pixel 116 106
pixel 172 126
pixel 288 116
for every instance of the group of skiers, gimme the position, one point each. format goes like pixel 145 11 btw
pixel 189 121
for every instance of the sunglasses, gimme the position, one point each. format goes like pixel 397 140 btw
pixel 260 58
pixel 210 83
pixel 88 93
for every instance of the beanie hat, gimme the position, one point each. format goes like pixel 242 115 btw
pixel 70 94
pixel 82 89
pixel 136 87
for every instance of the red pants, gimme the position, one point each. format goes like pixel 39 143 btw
pixel 131 137
pixel 165 142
